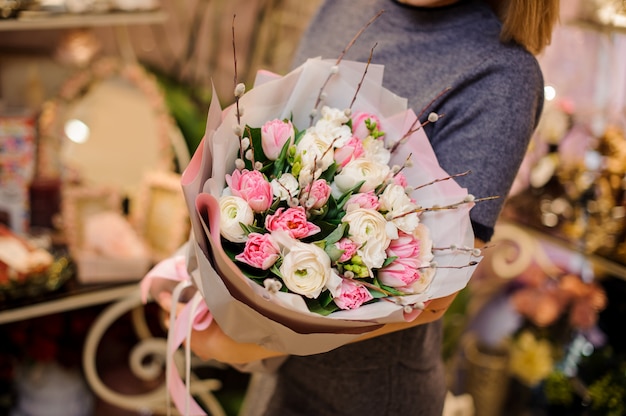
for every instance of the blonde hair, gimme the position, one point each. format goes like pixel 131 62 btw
pixel 527 22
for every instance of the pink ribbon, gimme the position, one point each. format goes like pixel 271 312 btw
pixel 194 315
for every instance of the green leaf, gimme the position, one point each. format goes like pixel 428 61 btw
pixel 316 307
pixel 254 133
pixel 388 261
pixel 337 234
pixel 281 161
pixel 333 252
pixel 299 136
pixel 329 174
pixel 344 198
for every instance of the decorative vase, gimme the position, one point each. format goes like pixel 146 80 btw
pixel 487 376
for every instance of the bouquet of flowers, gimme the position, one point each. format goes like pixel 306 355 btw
pixel 306 231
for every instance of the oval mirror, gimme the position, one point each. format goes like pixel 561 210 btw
pixel 109 126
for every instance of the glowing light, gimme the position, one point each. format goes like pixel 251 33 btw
pixel 549 92
pixel 77 131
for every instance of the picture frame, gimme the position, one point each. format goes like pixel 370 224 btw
pixel 160 215
pixel 78 203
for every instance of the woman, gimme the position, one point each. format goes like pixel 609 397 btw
pixel 485 55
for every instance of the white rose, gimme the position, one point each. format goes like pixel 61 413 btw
pixel 372 173
pixel 315 154
pixel 306 269
pixel 234 210
pixel 368 229
pixel 397 203
pixel 375 150
pixel 285 187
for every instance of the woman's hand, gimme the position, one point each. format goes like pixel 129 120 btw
pixel 213 344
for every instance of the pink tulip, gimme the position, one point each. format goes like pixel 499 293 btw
pixel 352 295
pixel 260 251
pixel 292 220
pixel 349 248
pixel 350 151
pixel 400 273
pixel 359 129
pixel 404 247
pixel 317 193
pixel 252 187
pixel 365 200
pixel 274 135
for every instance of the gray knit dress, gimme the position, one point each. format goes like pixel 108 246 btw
pixel 491 111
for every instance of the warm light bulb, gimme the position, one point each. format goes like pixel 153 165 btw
pixel 549 93
pixel 77 131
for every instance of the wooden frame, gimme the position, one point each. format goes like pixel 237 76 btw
pixel 160 214
pixel 78 203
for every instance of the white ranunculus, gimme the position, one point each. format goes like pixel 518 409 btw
pixel 397 203
pixel 315 154
pixel 285 187
pixel 306 269
pixel 372 173
pixel 375 150
pixel 234 210
pixel 368 229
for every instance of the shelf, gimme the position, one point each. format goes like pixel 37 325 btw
pixel 521 215
pixel 76 296
pixel 597 26
pixel 65 21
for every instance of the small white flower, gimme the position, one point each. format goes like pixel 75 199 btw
pixel 272 285
pixel 331 127
pixel 375 150
pixel 238 130
pixel 285 187
pixel 315 156
pixel 433 117
pixel 233 211
pixel 419 305
pixel 240 89
pixel 395 200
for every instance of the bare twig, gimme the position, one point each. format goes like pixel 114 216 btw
pixel 358 88
pixel 341 55
pixel 467 172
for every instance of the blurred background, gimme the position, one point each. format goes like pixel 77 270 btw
pixel 102 103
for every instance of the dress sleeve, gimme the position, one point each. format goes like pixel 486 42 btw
pixel 487 125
